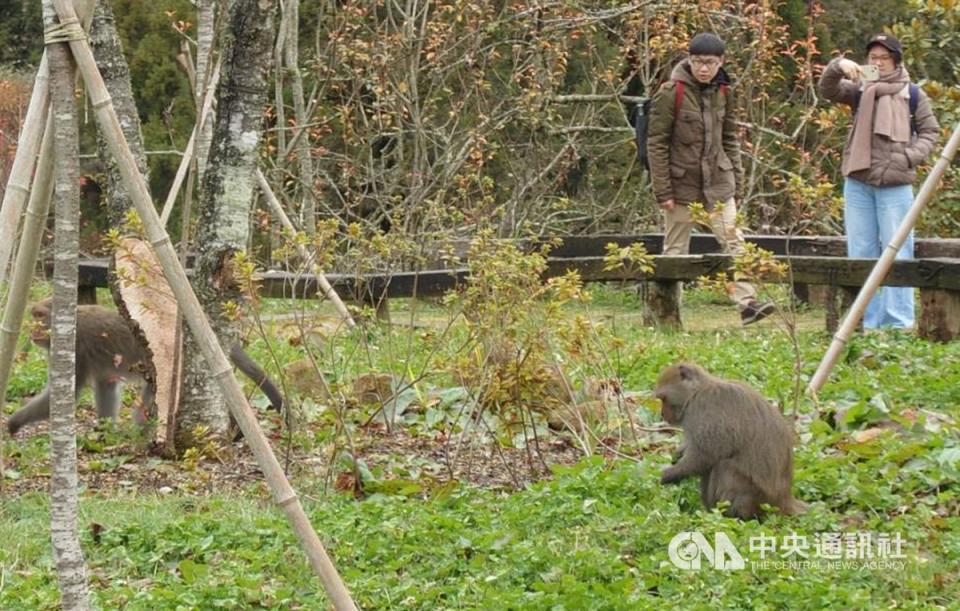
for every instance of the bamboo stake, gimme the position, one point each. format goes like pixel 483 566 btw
pixel 880 269
pixel 220 367
pixel 277 209
pixel 188 152
pixel 28 143
pixel 18 186
pixel 34 223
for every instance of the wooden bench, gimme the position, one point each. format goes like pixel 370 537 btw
pixel 936 272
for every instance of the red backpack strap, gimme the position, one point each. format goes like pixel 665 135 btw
pixel 678 98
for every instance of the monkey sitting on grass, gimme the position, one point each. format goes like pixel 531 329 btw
pixel 739 444
pixel 108 355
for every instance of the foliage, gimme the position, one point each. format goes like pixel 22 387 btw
pixel 554 158
pixel 460 114
pixel 931 42
pixel 595 536
pixel 520 337
pixel 21 33
pixel 878 453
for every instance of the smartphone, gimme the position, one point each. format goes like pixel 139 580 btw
pixel 869 72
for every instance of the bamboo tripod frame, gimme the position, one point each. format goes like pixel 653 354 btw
pixel 283 493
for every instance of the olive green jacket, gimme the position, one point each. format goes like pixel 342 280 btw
pixel 695 153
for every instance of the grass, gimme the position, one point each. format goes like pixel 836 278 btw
pixel 879 455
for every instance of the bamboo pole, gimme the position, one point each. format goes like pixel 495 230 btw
pixel 880 269
pixel 34 223
pixel 328 290
pixel 220 367
pixel 25 160
pixel 18 186
pixel 191 144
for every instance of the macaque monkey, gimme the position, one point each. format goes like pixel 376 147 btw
pixel 108 355
pixel 734 439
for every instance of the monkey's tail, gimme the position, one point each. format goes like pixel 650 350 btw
pixel 253 371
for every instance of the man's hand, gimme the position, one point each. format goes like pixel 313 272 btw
pixel 850 68
pixel 667 204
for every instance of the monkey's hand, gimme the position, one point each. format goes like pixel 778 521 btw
pixel 672 475
pixel 678 454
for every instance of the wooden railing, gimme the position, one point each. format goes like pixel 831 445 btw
pixel 812 261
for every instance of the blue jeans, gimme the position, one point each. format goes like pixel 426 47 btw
pixel 872 215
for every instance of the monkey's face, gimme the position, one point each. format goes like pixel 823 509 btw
pixel 672 398
pixel 674 387
pixel 670 410
pixel 40 325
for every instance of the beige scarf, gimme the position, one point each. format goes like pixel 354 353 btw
pixel 884 110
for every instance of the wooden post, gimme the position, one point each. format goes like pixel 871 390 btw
pixel 939 315
pixel 662 298
pixel 837 300
pixel 801 292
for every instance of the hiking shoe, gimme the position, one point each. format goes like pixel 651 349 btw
pixel 755 311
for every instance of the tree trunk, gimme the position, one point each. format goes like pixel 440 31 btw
pixel 116 74
pixel 226 198
pixel 113 67
pixel 67 553
pixel 291 25
pixel 206 19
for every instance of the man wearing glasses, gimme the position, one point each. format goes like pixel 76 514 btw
pixel 694 154
pixel 893 131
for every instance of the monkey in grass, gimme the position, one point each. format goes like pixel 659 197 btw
pixel 739 445
pixel 108 355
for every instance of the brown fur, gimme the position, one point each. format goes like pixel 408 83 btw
pixel 739 444
pixel 108 355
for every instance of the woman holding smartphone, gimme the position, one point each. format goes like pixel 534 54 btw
pixel 893 131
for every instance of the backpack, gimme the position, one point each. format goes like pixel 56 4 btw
pixel 914 102
pixel 641 121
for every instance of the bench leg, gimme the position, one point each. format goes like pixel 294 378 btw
pixel 939 315
pixel 801 292
pixel 662 299
pixel 838 301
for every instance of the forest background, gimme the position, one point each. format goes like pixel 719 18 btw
pixel 445 117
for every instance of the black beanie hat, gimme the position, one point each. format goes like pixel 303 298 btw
pixel 888 42
pixel 706 43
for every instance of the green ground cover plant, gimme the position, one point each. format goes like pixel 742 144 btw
pixel 569 526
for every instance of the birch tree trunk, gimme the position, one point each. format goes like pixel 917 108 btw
pixel 226 197
pixel 206 21
pixel 67 553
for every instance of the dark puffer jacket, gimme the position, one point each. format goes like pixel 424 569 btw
pixel 695 155
pixel 891 163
